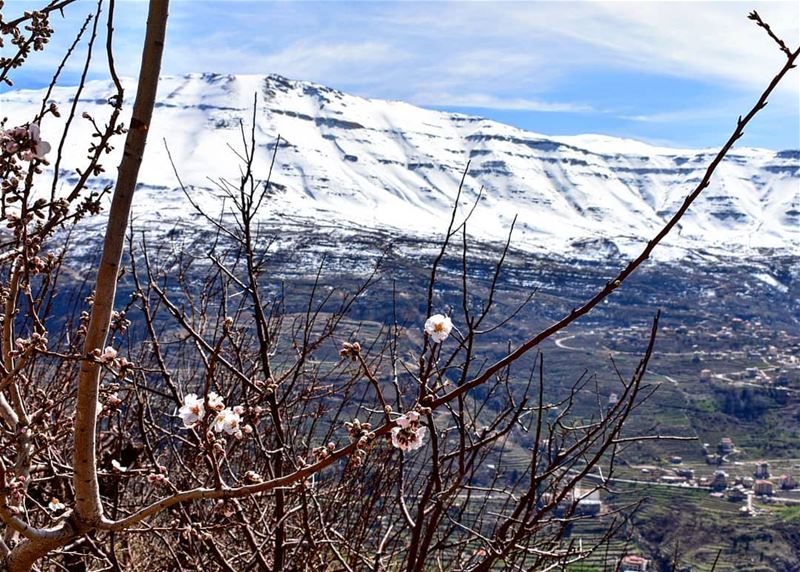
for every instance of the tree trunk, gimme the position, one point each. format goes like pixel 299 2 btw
pixel 88 509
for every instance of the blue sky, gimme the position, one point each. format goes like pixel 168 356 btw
pixel 667 72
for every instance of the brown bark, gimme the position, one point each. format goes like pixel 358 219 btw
pixel 88 507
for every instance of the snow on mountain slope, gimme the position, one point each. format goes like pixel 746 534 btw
pixel 351 162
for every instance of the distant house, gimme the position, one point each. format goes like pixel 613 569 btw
pixel 725 446
pixel 633 563
pixel 763 487
pixel 590 504
pixel 736 494
pixel 577 503
pixel 787 482
pixel 720 482
pixel 762 472
pixel 705 375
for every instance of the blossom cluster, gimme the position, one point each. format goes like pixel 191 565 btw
pixel 32 37
pixel 35 342
pixel 322 453
pixel 16 488
pixel 350 350
pixel 227 420
pixel 357 430
pixel 24 142
pixel 110 357
pixel 38 264
pixel 361 434
pixel 119 322
pixel 159 477
pixel 112 402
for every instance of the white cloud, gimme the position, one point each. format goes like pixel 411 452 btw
pixel 526 47
pixel 487 101
pixel 511 56
pixel 705 41
pixel 696 40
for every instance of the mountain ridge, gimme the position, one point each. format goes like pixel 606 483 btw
pixel 361 162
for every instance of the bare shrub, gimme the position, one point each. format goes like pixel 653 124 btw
pixel 235 429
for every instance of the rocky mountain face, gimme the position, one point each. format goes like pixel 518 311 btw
pixel 352 163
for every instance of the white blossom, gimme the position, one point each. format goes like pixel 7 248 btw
pixel 40 148
pixel 10 146
pixel 408 421
pixel 215 401
pixel 438 327
pixel 408 435
pixel 408 440
pixel 227 420
pixel 192 410
pixel 56 505
pixel 109 355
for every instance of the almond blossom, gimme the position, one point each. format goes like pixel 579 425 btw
pixel 55 505
pixel 227 420
pixel 408 434
pixel 108 355
pixel 40 148
pixel 25 141
pixel 409 420
pixel 438 327
pixel 216 402
pixel 192 410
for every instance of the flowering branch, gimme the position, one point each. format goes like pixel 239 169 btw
pixel 439 328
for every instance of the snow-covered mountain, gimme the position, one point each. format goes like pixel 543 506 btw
pixel 351 162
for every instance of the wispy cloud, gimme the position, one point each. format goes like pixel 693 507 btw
pixel 487 101
pixel 701 40
pixel 646 63
pixel 681 115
